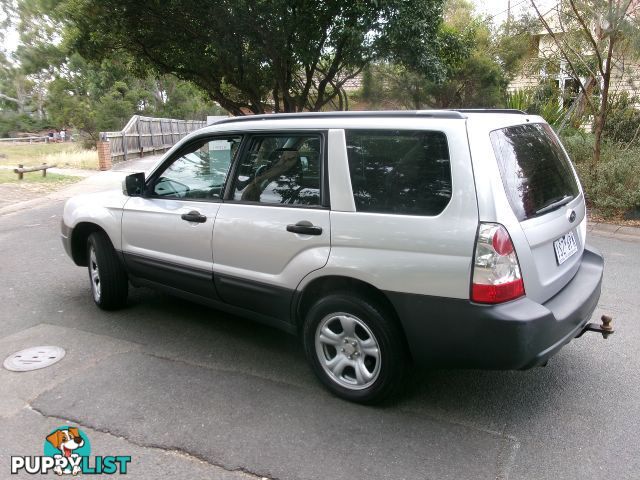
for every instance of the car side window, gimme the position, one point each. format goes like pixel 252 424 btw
pixel 403 172
pixel 280 169
pixel 200 172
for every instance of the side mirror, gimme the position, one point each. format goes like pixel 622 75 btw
pixel 133 185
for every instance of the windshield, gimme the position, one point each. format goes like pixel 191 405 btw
pixel 536 173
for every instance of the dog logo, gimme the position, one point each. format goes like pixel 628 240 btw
pixel 69 444
pixel 67 451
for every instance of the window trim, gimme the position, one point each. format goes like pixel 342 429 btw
pixel 155 175
pixel 324 203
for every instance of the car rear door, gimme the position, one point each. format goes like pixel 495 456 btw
pixel 544 194
pixel 167 232
pixel 273 227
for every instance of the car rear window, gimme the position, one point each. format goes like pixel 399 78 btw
pixel 536 173
pixel 403 172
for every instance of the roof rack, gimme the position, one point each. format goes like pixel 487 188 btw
pixel 490 110
pixel 385 113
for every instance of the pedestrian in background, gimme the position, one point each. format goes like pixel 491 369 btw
pixel 63 135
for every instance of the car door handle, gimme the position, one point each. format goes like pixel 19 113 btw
pixel 305 227
pixel 193 216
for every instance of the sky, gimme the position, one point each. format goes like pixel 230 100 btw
pixel 498 8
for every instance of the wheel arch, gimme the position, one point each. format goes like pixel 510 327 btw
pixel 322 286
pixel 79 237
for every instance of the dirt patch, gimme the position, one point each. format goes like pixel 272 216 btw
pixel 15 192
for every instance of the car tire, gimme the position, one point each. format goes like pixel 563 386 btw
pixel 355 348
pixel 109 281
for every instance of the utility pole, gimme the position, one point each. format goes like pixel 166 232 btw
pixel 508 17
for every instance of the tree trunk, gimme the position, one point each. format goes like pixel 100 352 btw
pixel 601 118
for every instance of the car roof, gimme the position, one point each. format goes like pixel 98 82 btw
pixel 441 114
pixel 394 119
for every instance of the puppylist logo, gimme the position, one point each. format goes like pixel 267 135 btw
pixel 67 451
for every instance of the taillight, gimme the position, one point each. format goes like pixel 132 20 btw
pixel 496 272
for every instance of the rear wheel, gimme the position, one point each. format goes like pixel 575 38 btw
pixel 355 348
pixel 109 282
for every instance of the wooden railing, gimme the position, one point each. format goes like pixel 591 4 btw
pixel 25 139
pixel 147 136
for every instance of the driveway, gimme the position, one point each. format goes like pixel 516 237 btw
pixel 191 393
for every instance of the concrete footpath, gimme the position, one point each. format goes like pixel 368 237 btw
pixel 612 230
pixel 94 181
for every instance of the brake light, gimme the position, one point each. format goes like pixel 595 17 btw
pixel 496 271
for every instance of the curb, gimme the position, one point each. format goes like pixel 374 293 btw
pixel 613 230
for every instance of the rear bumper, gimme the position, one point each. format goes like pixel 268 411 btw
pixel 514 335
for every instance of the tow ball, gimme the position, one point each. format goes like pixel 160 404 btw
pixel 605 328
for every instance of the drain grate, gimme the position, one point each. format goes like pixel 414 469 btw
pixel 33 358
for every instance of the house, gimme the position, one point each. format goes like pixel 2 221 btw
pixel 547 64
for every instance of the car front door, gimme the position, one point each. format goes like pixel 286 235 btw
pixel 273 227
pixel 167 232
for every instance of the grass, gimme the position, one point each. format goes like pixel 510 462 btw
pixel 34 181
pixel 8 176
pixel 64 155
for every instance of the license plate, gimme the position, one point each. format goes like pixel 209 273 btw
pixel 565 247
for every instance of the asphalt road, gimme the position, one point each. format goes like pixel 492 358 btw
pixel 193 393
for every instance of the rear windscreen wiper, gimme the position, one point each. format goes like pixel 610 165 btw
pixel 557 204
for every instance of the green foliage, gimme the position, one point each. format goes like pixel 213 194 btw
pixel 12 123
pixel 552 111
pixel 478 70
pixel 613 186
pixel 513 43
pixel 478 82
pixel 520 99
pixel 248 55
pixel 543 100
pixel 623 120
pixel 54 86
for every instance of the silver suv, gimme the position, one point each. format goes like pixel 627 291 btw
pixel 452 238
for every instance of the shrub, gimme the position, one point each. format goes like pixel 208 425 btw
pixel 542 100
pixel 623 120
pixel 613 187
pixel 13 122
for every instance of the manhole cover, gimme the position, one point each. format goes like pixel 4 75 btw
pixel 33 358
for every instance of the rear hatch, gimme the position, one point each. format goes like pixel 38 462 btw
pixel 545 196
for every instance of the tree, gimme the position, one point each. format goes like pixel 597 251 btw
pixel 260 55
pixel 49 79
pixel 480 64
pixel 102 97
pixel 606 30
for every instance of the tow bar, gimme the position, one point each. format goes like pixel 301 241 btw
pixel 606 328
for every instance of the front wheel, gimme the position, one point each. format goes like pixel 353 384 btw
pixel 109 281
pixel 355 348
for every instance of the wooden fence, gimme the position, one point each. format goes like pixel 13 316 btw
pixel 25 139
pixel 147 136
